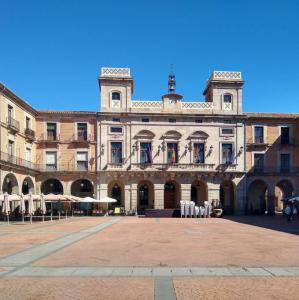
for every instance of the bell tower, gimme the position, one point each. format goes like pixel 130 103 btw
pixel 224 89
pixel 116 86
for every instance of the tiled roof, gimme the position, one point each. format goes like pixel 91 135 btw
pixel 272 115
pixel 66 112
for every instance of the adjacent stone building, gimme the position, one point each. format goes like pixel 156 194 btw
pixel 152 154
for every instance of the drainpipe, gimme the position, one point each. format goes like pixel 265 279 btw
pixel 1 93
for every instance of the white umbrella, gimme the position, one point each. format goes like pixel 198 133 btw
pixel 107 200
pixel 53 197
pixel 30 206
pixel 89 200
pixel 6 206
pixel 22 205
pixel 43 204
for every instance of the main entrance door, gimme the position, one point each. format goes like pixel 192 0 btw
pixel 169 195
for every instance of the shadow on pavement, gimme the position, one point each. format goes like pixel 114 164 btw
pixel 276 222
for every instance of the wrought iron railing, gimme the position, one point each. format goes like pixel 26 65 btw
pixel 30 133
pixel 8 158
pixel 13 124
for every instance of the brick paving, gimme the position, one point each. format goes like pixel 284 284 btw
pixel 138 258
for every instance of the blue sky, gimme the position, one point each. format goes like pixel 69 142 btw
pixel 51 51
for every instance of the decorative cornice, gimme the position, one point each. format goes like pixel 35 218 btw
pixel 12 96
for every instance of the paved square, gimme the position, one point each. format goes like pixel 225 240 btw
pixel 139 258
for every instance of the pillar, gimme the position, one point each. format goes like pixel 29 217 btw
pixel 159 195
pixel 127 197
pixel 134 196
pixel 241 200
pixel 213 191
pixel 185 192
pixel 271 200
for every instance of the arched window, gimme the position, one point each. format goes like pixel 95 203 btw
pixel 227 98
pixel 115 100
pixel 115 96
pixel 227 102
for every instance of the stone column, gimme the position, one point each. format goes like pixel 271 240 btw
pixel 213 191
pixel 271 200
pixel 240 200
pixel 127 197
pixel 134 196
pixel 159 195
pixel 102 191
pixel 185 192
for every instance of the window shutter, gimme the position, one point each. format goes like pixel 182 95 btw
pixel 51 158
pixel 82 156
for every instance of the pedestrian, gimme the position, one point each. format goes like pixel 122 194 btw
pixel 294 212
pixel 288 211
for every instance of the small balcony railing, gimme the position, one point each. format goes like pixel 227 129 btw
pixel 115 165
pixel 30 134
pixel 49 138
pixel 20 162
pixel 257 141
pixel 284 141
pixel 71 167
pixel 172 166
pixel 82 138
pixel 274 170
pixel 13 124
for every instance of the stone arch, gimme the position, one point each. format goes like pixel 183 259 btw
pixel 27 186
pixel 172 134
pixel 116 191
pixel 145 196
pixel 283 189
pixel 144 134
pixel 228 197
pixel 52 186
pixel 199 192
pixel 10 184
pixel 257 197
pixel 82 188
pixel 198 135
pixel 172 194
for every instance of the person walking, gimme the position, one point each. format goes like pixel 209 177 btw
pixel 288 211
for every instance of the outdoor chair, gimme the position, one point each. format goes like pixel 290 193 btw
pixel 182 203
pixel 196 211
pixel 187 209
pixel 201 211
pixel 192 205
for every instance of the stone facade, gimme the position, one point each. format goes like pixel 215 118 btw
pixel 151 154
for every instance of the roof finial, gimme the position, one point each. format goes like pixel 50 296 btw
pixel 171 81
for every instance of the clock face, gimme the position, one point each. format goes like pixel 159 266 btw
pixel 171 101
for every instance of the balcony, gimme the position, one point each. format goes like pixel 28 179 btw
pixel 115 166
pixel 49 139
pixel 71 167
pixel 274 171
pixel 30 134
pixel 227 167
pixel 17 161
pixel 81 138
pixel 257 142
pixel 287 141
pixel 13 125
pixel 172 167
